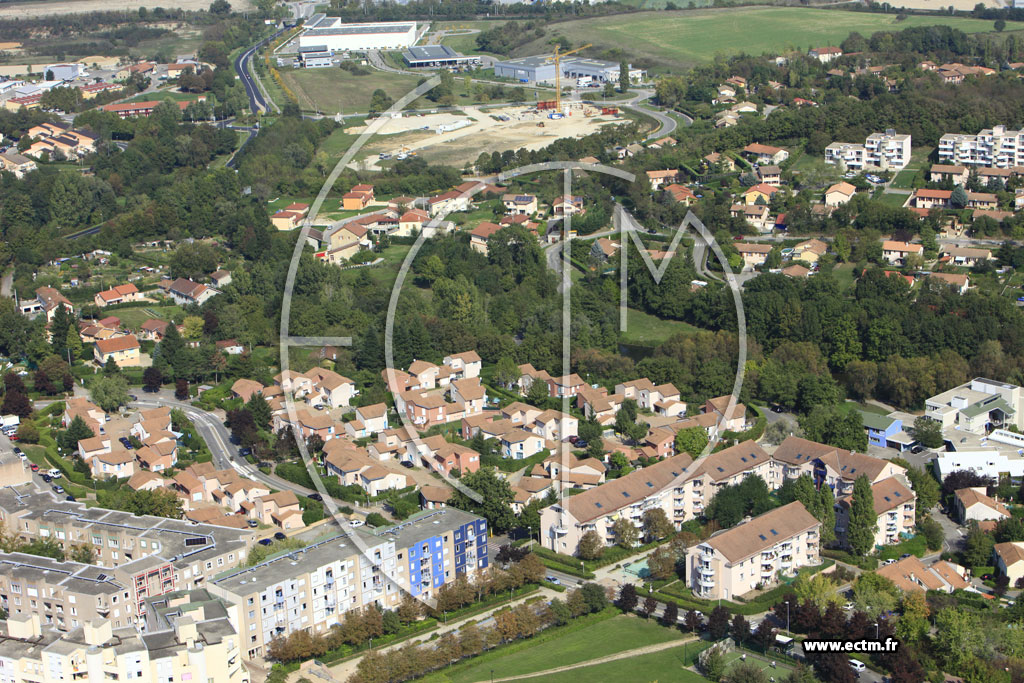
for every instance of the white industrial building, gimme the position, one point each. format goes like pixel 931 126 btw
pixel 541 69
pixel 330 34
pixel 314 57
pixel 64 72
pixel 987 463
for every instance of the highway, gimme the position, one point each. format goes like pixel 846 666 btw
pixel 257 102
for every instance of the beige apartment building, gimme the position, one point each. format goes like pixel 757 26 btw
pixel 829 465
pixel 676 485
pixel 894 506
pixel 148 555
pixel 754 553
pixel 193 641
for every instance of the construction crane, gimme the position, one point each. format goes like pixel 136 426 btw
pixel 557 59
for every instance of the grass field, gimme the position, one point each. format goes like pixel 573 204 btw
pixel 602 638
pixel 844 276
pixel 134 317
pixel 337 90
pixel 688 37
pixel 893 199
pixel 643 328
pixel 662 667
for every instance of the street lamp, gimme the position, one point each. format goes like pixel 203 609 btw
pixel 787 619
pixel 876 629
pixel 530 528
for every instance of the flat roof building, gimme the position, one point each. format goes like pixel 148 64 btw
pixel 436 56
pixel 540 69
pixel 334 36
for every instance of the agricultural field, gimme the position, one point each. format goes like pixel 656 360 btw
pixel 681 38
pixel 45 8
pixel 336 90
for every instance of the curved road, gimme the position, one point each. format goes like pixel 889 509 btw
pixel 668 124
pixel 256 100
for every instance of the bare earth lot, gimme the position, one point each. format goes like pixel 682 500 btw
pixel 24 10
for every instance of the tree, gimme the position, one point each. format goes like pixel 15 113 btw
pixel 1000 25
pixel 537 394
pixel 591 545
pixel 692 621
pixel 649 606
pixel 874 594
pixel 220 7
pixel 765 635
pixel 691 440
pixel 380 101
pixel 978 547
pixel 670 617
pixel 626 533
pixel 928 432
pixel 819 590
pixel 740 630
pixel 28 432
pixel 958 199
pixel 860 532
pixel 656 525
pixel 662 563
pixel 713 665
pixel 260 410
pixel 718 623
pixel 152 378
pixel 109 392
pixel 747 672
pixel 506 372
pixel 623 76
pixel 76 431
pixel 181 389
pixel 158 502
pixel 594 596
pixel 495 504
pixel 933 533
pixel 83 553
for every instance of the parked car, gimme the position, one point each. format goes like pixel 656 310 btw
pixel 778 409
pixel 904 556
pixel 252 523
pixel 70 497
pixel 315 496
pixel 279 536
pixel 58 488
pixel 266 541
pixel 47 478
pixel 857 665
pixel 888 562
pixel 552 579
pixel 573 439
pixel 34 467
pixel 355 522
pixel 245 451
pixel 408 464
pixel 17 451
pixel 848 606
pixel 55 473
pixel 917 449
pixel 580 443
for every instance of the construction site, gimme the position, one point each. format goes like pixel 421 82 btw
pixel 458 138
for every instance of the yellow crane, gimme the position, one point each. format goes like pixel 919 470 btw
pixel 557 59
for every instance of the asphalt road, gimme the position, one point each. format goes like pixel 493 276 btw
pixel 256 100
pixel 668 124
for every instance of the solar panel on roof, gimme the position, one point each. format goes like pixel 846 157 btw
pixel 101 577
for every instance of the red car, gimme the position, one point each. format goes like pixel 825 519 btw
pixel 35 467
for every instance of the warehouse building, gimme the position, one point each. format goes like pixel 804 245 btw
pixel 334 36
pixel 314 57
pixel 540 69
pixel 436 56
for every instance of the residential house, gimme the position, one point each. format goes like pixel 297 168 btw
pixel 960 282
pixel 220 278
pixel 279 509
pixel 973 504
pixel 839 194
pixel 446 203
pixel 765 154
pixel 519 444
pixel 568 205
pixel 118 295
pixel 357 198
pixel 124 351
pixel 885 431
pixel 825 54
pixel 894 507
pixel 245 388
pixel 153 329
pixel 158 456
pixel 520 204
pixel 286 220
pixel 830 466
pixel 412 221
pixel 230 347
pixel 1009 560
pixel 756 215
pixel 15 163
pixel 910 574
pixel 185 292
pixel 896 252
pixel 759 194
pixel 754 553
pixel 753 254
pixel 681 194
pixel 434 497
pixel 47 300
pixel 939 173
pixel 470 395
pixel 465 365
pixel 968 256
pixel 810 251
pixel 603 249
pixel 567 385
pixel 720 160
pixel 659 178
pixel 481 235
pixel 770 174
pixel 796 270
pixel 733 420
pixel 114 464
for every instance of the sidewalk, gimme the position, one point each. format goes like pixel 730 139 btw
pixel 342 671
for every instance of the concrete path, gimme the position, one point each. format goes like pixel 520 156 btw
pixel 646 650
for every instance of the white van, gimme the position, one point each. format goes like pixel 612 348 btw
pixel 55 473
pixel 857 665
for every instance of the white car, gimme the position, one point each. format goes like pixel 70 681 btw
pixel 857 665
pixel 355 522
pixel 55 473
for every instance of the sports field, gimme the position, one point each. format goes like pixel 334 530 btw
pixel 687 37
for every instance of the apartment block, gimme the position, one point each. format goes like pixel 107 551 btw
pixel 888 150
pixel 978 406
pixel 312 588
pixel 194 639
pixel 147 555
pixel 995 146
pixel 754 553
pixel 894 505
pixel 830 466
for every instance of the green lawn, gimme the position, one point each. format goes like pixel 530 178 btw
pixel 337 90
pixel 660 667
pixel 904 180
pixel 687 37
pixel 914 546
pixel 134 317
pixel 624 632
pixel 643 328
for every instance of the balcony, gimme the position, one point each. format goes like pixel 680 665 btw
pixel 707 582
pixel 559 530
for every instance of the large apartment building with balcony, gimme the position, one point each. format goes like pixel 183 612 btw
pixel 894 506
pixel 831 466
pixel 312 588
pixel 194 640
pixel 880 150
pixel 676 485
pixel 754 553
pixel 995 146
pixel 147 555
